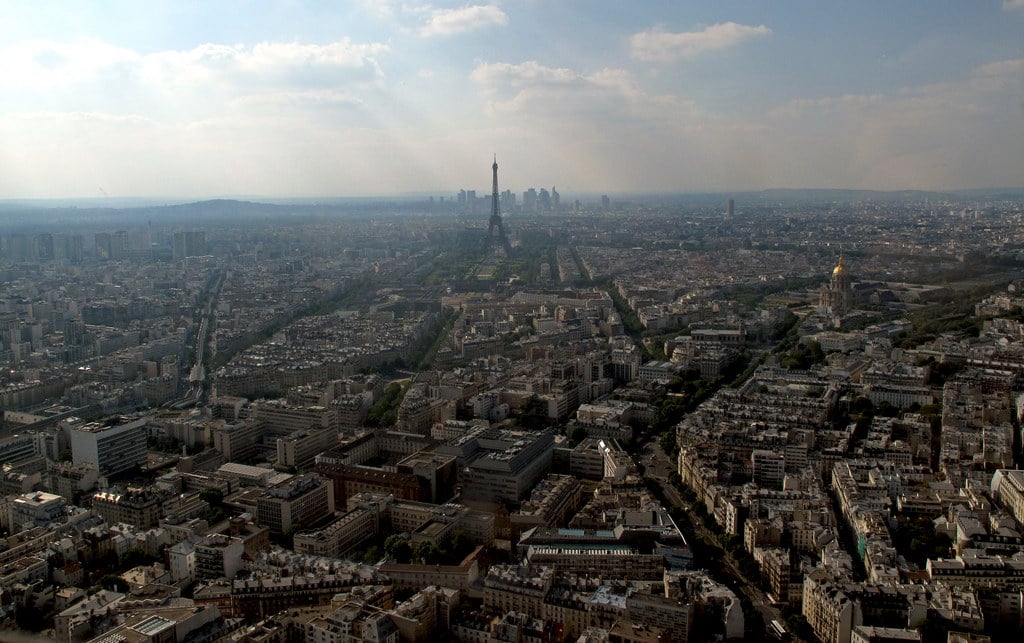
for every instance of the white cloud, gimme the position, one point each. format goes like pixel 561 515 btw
pixel 380 9
pixel 559 90
pixel 292 100
pixel 269 64
pixel 1003 68
pixel 947 135
pixel 41 65
pixel 1010 5
pixel 659 45
pixel 520 74
pixel 603 129
pixel 46 66
pixel 448 22
pixel 298 118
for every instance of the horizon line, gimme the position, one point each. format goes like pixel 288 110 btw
pixel 256 198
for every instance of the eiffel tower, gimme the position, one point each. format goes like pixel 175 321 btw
pixel 496 216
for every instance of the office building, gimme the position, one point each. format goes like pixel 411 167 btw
pixel 299 449
pixel 304 500
pixel 336 539
pixel 111 447
pixel 237 441
pixel 502 466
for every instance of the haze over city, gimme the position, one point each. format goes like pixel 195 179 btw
pixel 283 99
pixel 517 322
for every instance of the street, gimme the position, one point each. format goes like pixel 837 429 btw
pixel 658 466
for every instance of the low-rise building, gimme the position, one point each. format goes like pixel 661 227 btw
pixel 461 577
pixel 37 509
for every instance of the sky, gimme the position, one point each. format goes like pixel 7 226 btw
pixel 284 98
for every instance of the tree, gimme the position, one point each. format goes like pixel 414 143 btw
pixel 534 416
pixel 670 412
pixel 676 481
pixel 216 515
pixel 372 555
pixel 397 548
pixel 135 557
pixel 384 411
pixel 804 356
pixel 114 583
pixel 427 553
pixel 669 443
pixel 455 546
pixel 861 405
pixel 885 409
pixel 577 434
pixel 212 496
pixel 108 560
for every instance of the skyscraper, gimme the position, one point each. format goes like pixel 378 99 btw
pixel 530 199
pixel 191 243
pixel 496 214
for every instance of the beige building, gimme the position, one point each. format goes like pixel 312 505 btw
pixel 461 577
pixel 604 561
pixel 1008 490
pixel 353 621
pixel 827 608
pixel 304 500
pixel 281 419
pixel 518 588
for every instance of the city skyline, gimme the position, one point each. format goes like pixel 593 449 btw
pixel 378 99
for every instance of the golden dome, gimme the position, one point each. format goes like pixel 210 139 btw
pixel 840 267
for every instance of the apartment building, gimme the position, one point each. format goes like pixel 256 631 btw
pixel 140 507
pixel 218 556
pixel 552 502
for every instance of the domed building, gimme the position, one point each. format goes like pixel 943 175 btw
pixel 837 297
